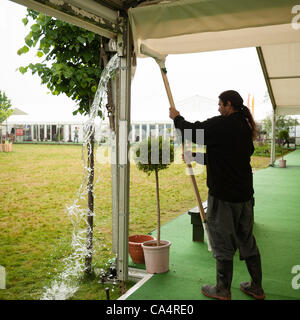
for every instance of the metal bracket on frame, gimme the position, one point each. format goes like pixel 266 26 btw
pixel 121 37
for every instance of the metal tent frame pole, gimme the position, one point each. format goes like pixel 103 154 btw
pixel 124 44
pixel 115 171
pixel 271 95
pixel 86 14
pixel 273 141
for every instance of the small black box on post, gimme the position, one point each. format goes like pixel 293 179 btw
pixel 198 232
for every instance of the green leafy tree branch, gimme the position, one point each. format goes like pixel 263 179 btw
pixel 70 58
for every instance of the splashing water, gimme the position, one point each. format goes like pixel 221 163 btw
pixel 66 283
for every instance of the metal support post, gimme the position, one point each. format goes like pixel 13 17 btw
pixel 114 169
pixel 273 141
pixel 124 51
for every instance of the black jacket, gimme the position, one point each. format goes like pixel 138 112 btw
pixel 229 147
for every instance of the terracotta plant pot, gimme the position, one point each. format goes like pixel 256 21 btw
pixel 135 247
pixel 6 147
pixel 282 163
pixel 157 257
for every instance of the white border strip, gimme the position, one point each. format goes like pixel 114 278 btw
pixel 135 287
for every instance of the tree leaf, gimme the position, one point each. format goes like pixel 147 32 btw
pixel 23 69
pixel 81 39
pixel 58 23
pixel 41 20
pixel 35 27
pixel 25 21
pixel 68 73
pixel 90 36
pixel 23 50
pixel 29 42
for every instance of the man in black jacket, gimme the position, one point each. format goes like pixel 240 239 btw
pixel 228 139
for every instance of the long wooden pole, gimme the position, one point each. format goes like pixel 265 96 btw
pixel 189 166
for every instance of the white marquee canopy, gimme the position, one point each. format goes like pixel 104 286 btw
pixel 187 26
pixel 282 74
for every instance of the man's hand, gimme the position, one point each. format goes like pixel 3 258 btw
pixel 187 157
pixel 173 113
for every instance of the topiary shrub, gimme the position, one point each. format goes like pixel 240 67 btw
pixel 283 136
pixel 153 155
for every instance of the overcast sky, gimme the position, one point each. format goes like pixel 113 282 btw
pixel 203 74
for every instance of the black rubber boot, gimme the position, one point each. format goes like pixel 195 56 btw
pixel 221 290
pixel 254 287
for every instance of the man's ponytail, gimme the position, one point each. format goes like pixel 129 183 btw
pixel 248 116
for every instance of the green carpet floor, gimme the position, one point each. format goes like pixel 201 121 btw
pixel 277 232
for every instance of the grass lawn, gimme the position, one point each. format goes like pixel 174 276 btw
pixel 36 184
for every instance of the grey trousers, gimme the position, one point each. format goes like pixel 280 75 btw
pixel 230 227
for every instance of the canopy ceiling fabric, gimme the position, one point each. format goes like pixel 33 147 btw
pixel 187 26
pixel 283 73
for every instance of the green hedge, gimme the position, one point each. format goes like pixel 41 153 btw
pixel 265 149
